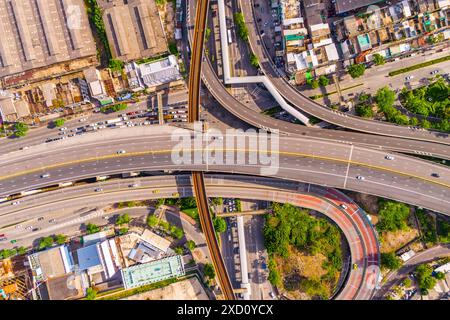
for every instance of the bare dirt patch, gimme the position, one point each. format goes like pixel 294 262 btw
pixel 392 241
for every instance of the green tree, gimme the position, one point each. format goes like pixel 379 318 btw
pixel 356 70
pixel 425 124
pixel 378 59
pixel 20 129
pixel 115 65
pixel 92 228
pixel 152 221
pixel 385 98
pixel 45 243
pixel 274 275
pixel 390 261
pixel 407 282
pixel 220 225
pixel 188 203
pixel 254 60
pixel 21 250
pixel 91 293
pixel 209 271
pixel 424 277
pixel 173 47
pixel 123 219
pixel 59 122
pixel 123 231
pixel 364 110
pixel 392 216
pixel 314 83
pixel 440 275
pixel 176 232
pixel 179 250
pixel 60 239
pixel 323 81
pixel 217 201
pixel 242 30
pixel 190 245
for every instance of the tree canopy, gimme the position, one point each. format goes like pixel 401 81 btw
pixel 392 216
pixel 424 277
pixel 209 271
pixel 378 59
pixel 92 228
pixel 356 70
pixel 123 219
pixel 20 129
pixel 390 261
pixel 59 122
pixel 220 225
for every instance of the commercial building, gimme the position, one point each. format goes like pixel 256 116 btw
pixel 153 74
pixel 150 247
pixel 143 274
pixel 11 108
pixel 134 28
pixel 40 33
pixel 96 86
pixel 51 263
pixel 101 258
pixel 343 6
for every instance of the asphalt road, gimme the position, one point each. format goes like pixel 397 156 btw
pixel 149 148
pixel 247 114
pixel 426 256
pixel 64 205
pixel 319 111
pixel 39 135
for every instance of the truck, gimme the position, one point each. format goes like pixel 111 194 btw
pixel 230 38
pixel 101 178
pixel 3 199
pixel 113 120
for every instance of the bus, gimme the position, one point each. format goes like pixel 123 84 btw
pixel 230 38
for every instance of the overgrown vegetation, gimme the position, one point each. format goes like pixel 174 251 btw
pixel 114 108
pixel 364 107
pixel 392 216
pixel 291 226
pixel 432 100
pixel 427 226
pixel 174 231
pixel 242 30
pixel 385 99
pixel 254 60
pixel 95 16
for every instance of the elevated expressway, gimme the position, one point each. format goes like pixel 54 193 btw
pixel 405 179
pixel 313 108
pixel 216 87
pixel 197 176
pixel 62 203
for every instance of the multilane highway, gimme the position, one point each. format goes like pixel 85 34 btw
pixel 317 110
pixel 63 204
pixel 241 111
pixel 404 178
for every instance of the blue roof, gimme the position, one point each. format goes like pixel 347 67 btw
pixel 88 257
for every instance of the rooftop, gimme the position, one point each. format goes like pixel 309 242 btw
pixel 348 5
pixel 143 274
pixel 134 29
pixel 37 34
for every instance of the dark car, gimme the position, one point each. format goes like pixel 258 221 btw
pixel 436 175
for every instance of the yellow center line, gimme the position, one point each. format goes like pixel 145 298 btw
pixel 285 153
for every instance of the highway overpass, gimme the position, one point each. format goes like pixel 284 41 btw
pixel 62 203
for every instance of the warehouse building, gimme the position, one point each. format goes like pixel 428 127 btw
pixel 40 33
pixel 134 29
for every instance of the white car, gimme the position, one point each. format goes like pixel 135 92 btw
pixel 15 203
pixel 82 120
pixel 98 190
pixel 434 72
pixel 121 152
pixel 389 157
pixel 360 178
pixel 409 78
pixel 63 129
pixel 343 206
pixel 45 175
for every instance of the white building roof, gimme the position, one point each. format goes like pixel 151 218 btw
pixel 407 255
pixel 332 54
pixel 288 22
pixel 160 72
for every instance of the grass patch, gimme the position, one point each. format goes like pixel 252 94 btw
pixel 418 66
pixel 192 212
